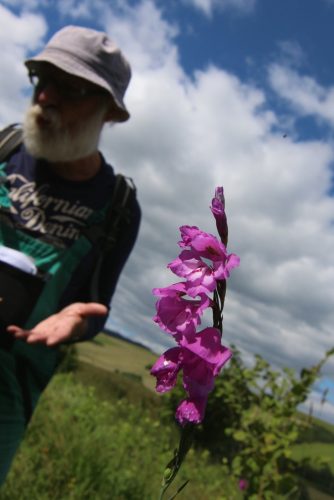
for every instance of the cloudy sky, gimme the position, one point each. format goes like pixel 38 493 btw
pixel 238 93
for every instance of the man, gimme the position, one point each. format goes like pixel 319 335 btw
pixel 56 188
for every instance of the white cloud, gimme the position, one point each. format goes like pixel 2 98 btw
pixel 18 35
pixel 149 45
pixel 209 6
pixel 304 93
pixel 80 9
pixel 291 52
pixel 24 31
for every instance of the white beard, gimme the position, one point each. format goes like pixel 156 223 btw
pixel 57 143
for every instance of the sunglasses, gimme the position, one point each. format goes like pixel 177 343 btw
pixel 67 90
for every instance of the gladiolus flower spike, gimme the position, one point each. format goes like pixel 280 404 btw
pixel 204 265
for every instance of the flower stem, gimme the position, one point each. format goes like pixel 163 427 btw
pixel 174 465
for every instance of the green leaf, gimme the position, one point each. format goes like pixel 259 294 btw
pixel 240 436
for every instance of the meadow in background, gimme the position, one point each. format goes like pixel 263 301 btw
pixel 102 433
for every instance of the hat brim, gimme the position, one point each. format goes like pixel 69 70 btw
pixel 77 68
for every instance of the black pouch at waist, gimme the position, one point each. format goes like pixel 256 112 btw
pixel 19 292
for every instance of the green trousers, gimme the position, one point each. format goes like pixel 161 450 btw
pixel 25 371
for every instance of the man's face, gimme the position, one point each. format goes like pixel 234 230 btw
pixel 66 116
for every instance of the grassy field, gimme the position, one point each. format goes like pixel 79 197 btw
pixel 103 431
pixel 323 450
pixel 106 360
pixel 116 355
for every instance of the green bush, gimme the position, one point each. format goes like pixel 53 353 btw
pixel 251 424
pixel 113 442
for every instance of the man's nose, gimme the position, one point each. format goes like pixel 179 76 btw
pixel 47 95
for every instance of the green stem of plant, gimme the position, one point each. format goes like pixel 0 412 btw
pixel 174 465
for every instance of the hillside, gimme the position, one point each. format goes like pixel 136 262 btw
pixel 107 435
pixel 106 360
pixel 114 354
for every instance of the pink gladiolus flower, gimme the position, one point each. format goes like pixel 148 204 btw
pixel 243 484
pixel 218 210
pixel 199 274
pixel 205 265
pixel 175 314
pixel 202 277
pixel 201 358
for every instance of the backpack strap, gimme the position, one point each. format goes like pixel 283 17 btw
pixel 10 140
pixel 105 236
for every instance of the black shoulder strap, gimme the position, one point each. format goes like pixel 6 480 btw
pixel 105 236
pixel 10 139
pixel 118 210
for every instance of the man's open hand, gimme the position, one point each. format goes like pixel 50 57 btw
pixel 68 324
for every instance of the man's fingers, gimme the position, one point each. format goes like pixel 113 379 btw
pixel 18 332
pixel 29 335
pixel 91 309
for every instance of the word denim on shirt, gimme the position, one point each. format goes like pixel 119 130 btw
pixel 35 209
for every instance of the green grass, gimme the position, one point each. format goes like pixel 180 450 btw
pixel 323 450
pixel 81 448
pixel 114 386
pixel 118 369
pixel 116 355
pixel 110 438
pixel 318 431
pixel 119 357
pixel 315 494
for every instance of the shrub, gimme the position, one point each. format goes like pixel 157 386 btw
pixel 252 422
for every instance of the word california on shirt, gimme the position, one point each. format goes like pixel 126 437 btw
pixel 49 207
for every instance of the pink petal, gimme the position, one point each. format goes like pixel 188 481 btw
pixel 208 246
pixel 191 411
pixel 207 346
pixel 178 315
pixel 201 381
pixel 171 290
pixel 187 234
pixel 166 369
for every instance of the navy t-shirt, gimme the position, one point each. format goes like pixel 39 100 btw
pixel 49 207
pixel 56 210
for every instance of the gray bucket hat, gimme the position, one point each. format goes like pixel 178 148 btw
pixel 91 55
